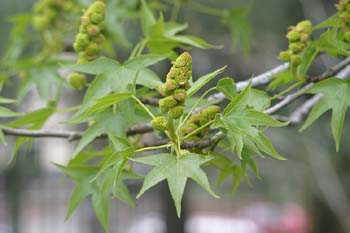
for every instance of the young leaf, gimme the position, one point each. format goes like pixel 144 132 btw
pixel 336 96
pixel 5 112
pixel 240 124
pixel 228 87
pixel 202 81
pixel 113 77
pixel 236 20
pixel 176 172
pixel 333 21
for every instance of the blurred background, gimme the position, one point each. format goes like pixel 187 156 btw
pixel 307 193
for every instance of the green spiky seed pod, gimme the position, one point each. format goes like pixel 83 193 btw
pixel 293 36
pixel 285 56
pixel 159 123
pixel 176 112
pixel 180 95
pixel 77 81
pixel 295 60
pixel 166 103
pixel 171 85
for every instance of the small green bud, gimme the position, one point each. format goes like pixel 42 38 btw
pixel 176 112
pixel 77 81
pixel 296 47
pixel 77 47
pixel 93 30
pixel 191 127
pixel 293 36
pixel 40 22
pixel 347 36
pixel 171 85
pixel 164 91
pixel 295 60
pixel 304 37
pixel 285 56
pixel 92 49
pixel 99 39
pixel 344 16
pixel 97 18
pixel 159 123
pixel 98 7
pixel 211 111
pixel 184 61
pixel 180 95
pixel 85 20
pixel 304 26
pixel 82 39
pixel 166 103
pixel 181 79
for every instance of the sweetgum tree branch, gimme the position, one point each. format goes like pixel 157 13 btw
pixel 69 135
pixel 302 111
pixel 341 70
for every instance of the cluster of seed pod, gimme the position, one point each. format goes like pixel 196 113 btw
pixel 89 39
pixel 298 37
pixel 198 120
pixel 46 13
pixel 177 82
pixel 343 8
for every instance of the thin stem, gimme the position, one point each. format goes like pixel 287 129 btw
pixel 204 9
pixel 174 137
pixel 175 11
pixel 153 148
pixel 141 47
pixel 285 91
pixel 69 109
pixel 143 106
pixel 193 108
pixel 198 130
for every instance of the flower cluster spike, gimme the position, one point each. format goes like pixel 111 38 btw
pixel 174 89
pixel 343 8
pixel 298 37
pixel 198 120
pixel 46 13
pixel 89 39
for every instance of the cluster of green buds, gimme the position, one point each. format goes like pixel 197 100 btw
pixel 198 121
pixel 89 39
pixel 298 37
pixel 176 85
pixel 46 13
pixel 343 8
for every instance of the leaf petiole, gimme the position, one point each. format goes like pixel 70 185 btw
pixel 153 148
pixel 143 106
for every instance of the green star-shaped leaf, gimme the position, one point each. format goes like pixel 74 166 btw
pixel 336 96
pixel 240 122
pixel 176 172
